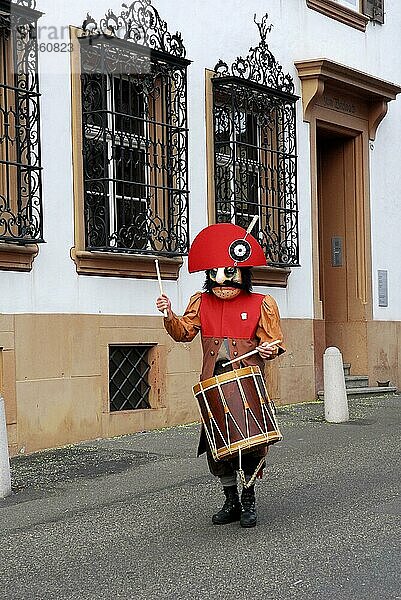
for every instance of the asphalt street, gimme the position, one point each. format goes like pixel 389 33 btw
pixel 130 517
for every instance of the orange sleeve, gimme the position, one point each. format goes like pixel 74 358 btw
pixel 185 328
pixel 269 326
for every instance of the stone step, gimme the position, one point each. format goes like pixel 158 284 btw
pixel 365 391
pixel 347 368
pixel 356 381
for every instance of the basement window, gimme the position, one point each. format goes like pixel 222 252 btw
pixel 129 368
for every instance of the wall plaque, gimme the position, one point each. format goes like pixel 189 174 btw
pixel 382 287
pixel 339 103
pixel 336 251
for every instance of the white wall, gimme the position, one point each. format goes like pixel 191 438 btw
pixel 211 29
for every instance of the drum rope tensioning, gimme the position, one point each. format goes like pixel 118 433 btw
pixel 237 415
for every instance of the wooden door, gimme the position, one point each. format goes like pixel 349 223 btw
pixel 339 166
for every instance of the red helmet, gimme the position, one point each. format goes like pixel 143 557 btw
pixel 224 245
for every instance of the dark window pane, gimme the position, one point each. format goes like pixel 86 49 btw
pixel 129 104
pixel 129 172
pixel 128 377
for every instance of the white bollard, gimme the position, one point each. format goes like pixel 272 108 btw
pixel 335 395
pixel 5 477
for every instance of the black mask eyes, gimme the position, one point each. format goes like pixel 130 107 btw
pixel 229 271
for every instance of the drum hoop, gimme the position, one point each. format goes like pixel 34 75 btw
pixel 254 441
pixel 226 378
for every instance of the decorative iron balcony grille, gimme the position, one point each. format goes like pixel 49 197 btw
pixel 255 158
pixel 135 136
pixel 20 151
pixel 128 377
pixel 25 3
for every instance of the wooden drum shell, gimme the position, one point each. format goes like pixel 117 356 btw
pixel 236 412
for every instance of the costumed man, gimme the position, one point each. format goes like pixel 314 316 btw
pixel 232 321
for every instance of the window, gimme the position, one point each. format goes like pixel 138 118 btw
pixel 128 377
pixel 255 152
pixel 134 137
pixel 374 9
pixel 355 13
pixel 20 160
pixel 114 152
pixel 236 168
pixel 354 4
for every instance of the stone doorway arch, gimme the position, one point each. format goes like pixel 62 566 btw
pixel 344 108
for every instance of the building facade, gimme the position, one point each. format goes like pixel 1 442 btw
pixel 121 139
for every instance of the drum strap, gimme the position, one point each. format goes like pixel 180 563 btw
pixel 242 474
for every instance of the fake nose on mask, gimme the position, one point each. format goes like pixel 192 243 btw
pixel 220 276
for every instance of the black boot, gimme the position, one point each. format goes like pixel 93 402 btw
pixel 248 516
pixel 231 510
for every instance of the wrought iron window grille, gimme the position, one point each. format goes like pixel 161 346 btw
pixel 128 377
pixel 135 134
pixel 254 116
pixel 21 218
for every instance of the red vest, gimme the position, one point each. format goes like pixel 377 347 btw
pixel 237 318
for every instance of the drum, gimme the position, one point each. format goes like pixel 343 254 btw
pixel 236 412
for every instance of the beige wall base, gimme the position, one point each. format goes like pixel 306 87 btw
pixel 372 348
pixel 384 345
pixel 54 374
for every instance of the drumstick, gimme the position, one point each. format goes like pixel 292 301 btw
pixel 251 225
pixel 165 313
pixel 230 362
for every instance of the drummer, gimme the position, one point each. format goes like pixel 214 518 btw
pixel 232 321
